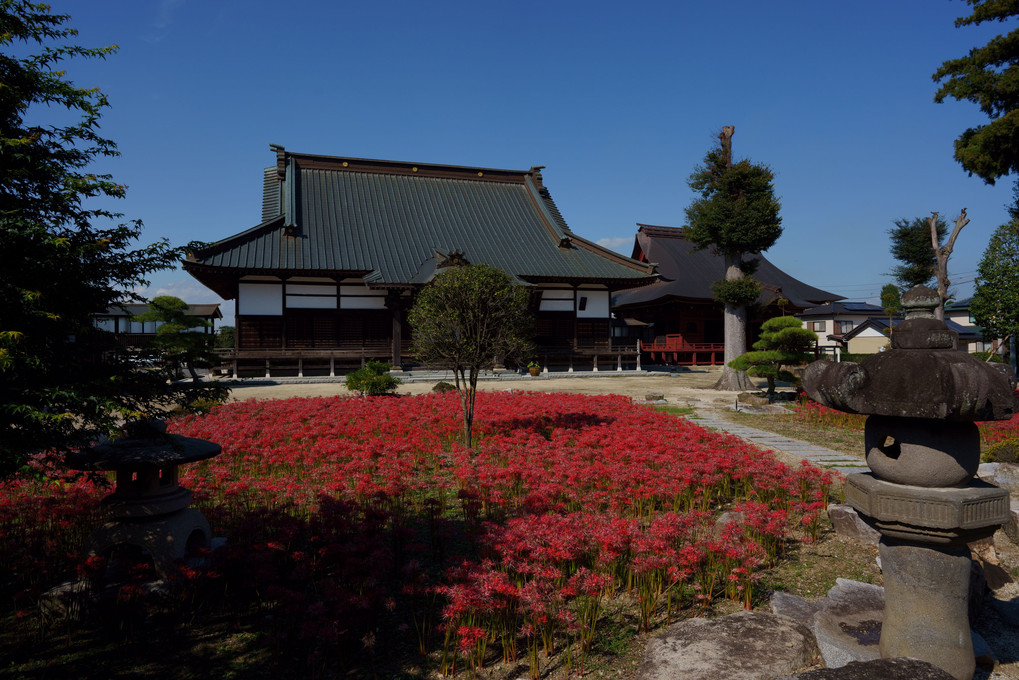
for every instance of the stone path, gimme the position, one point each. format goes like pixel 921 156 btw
pixel 818 455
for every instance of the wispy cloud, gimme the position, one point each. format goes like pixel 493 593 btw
pixel 620 244
pixel 164 17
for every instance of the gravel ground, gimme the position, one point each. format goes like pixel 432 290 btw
pixel 685 387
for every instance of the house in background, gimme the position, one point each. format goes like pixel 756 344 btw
pixel 834 320
pixel 685 323
pixel 118 320
pixel 329 274
pixel 873 335
pixel 957 311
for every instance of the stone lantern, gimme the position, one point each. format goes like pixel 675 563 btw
pixel 148 508
pixel 923 449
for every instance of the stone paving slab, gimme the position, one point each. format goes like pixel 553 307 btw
pixel 818 455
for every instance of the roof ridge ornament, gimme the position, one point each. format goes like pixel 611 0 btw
pixel 281 160
pixel 454 258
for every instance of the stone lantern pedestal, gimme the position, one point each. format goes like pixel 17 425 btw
pixel 926 563
pixel 148 508
pixel 922 397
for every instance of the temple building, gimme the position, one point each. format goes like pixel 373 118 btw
pixel 684 324
pixel 344 243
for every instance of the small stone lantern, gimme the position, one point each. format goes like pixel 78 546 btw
pixel 148 508
pixel 923 448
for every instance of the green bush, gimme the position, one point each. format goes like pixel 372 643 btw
pixel 372 380
pixel 1006 451
pixel 442 387
pixel 995 358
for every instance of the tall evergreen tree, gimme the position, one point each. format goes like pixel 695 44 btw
pixel 995 305
pixel 987 76
pixel 737 213
pixel 911 246
pixel 61 381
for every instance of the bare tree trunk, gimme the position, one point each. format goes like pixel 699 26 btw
pixel 725 137
pixel 941 253
pixel 735 318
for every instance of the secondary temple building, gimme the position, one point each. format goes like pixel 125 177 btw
pixel 329 274
pixel 686 321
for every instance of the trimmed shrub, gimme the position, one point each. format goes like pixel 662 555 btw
pixel 373 380
pixel 1006 451
pixel 442 387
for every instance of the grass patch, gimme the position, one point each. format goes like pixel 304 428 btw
pixel 847 441
pixel 675 410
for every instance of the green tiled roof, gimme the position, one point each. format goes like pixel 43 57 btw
pixel 395 223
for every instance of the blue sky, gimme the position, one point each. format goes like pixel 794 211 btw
pixel 620 102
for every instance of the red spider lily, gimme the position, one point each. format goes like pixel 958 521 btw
pixel 348 519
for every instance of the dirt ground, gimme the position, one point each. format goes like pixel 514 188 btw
pixel 684 387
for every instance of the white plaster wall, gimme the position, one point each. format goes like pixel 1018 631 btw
pixel 597 304
pixel 310 302
pixel 556 300
pixel 361 297
pixel 260 299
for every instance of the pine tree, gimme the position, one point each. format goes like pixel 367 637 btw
pixel 737 213
pixel 62 381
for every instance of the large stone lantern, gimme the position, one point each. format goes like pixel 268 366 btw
pixel 923 448
pixel 148 508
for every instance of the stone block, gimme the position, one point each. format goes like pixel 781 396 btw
pixel 847 522
pixel 747 645
pixel 848 625
pixel 931 515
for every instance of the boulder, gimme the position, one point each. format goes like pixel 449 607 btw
pixel 1006 475
pixel 1011 525
pixel 797 608
pixel 879 669
pixel 984 553
pixel 726 518
pixel 847 522
pixel 747 645
pixel 749 399
pixel 986 471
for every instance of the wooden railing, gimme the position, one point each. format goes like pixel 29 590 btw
pixel 674 349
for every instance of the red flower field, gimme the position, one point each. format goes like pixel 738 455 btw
pixel 361 528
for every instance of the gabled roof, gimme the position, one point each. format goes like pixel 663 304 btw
pixel 962 305
pixel 843 308
pixel 397 223
pixel 688 273
pixel 966 333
